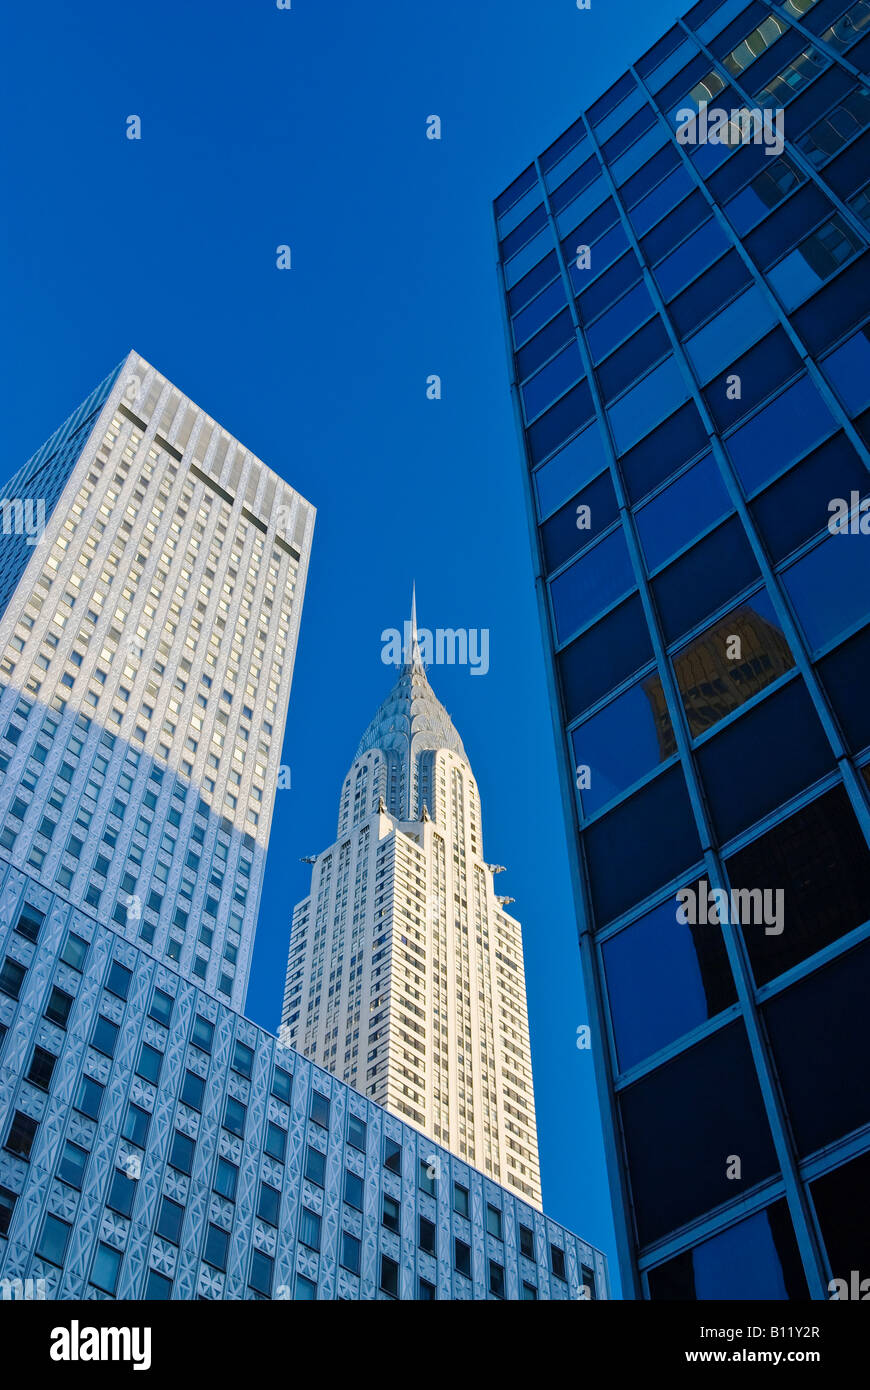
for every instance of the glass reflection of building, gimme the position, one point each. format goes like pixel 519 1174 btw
pixel 692 394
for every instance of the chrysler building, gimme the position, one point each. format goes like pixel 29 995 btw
pixel 405 975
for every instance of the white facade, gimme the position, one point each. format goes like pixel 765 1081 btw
pixel 405 975
pixel 146 654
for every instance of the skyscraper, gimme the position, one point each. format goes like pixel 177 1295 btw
pixel 685 274
pixel 405 973
pixel 154 1142
pixel 147 649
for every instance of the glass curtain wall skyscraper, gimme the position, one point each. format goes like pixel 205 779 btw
pixel 687 282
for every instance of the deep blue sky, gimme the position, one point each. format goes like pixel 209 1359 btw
pixel 262 127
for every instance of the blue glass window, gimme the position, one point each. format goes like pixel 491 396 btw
pixel 676 1182
pixel 574 526
pixel 795 421
pixel 730 333
pixel 552 381
pixel 592 583
pixel 849 370
pixel 666 196
pixel 658 824
pixel 561 421
pixel 757 1259
pixel 567 471
pixel 647 403
pixel 763 739
pixel 694 255
pixel 603 657
pixel 830 587
pixel 704 579
pixel 813 261
pixel 622 743
pixel 664 978
pixel 622 318
pixel 676 516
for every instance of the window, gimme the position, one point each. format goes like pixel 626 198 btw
pixel 53 1240
pixel 282 1084
pixel 530 1291
pixel 193 1090
pixel 460 1199
pixel 30 921
pixel 828 588
pixel 496 1279
pixel 90 1097
pixel 71 1168
pixel 149 1064
pixel 136 1124
pixel 11 977
pixel 157 1286
pixel 462 1256
pixel 392 1156
pixel 676 1183
pixel 557 1260
pixel 235 1114
pixel 42 1065
pixel 243 1058
pixel 426 1291
pixel 306 1289
pixel 181 1152
pixel 427 1236
pixel 591 584
pixel 813 261
pixel 269 1204
pixel 75 950
pixel 106 1268
pixel 122 1193
pixel 276 1141
pixel 527 1242
pixel 170 1220
pixel 823 1104
pixel 216 1246
pixel 119 979
pixel 350 1252
pixel 389 1276
pixel 663 979
pixel 7 1207
pixel 202 1035
pixel 356 1132
pixel 319 1109
pixel 428 1181
pixel 353 1190
pixel 315 1166
pixel 756 1258
pixel 587 1281
pixel 22 1133
pixel 309 1228
pixel 161 1007
pixel 226 1177
pixel 58 1007
pixel 493 1221
pixel 392 1210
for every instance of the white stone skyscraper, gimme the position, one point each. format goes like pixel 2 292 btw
pixel 148 629
pixel 405 974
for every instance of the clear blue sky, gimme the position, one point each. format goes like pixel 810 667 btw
pixel 307 127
